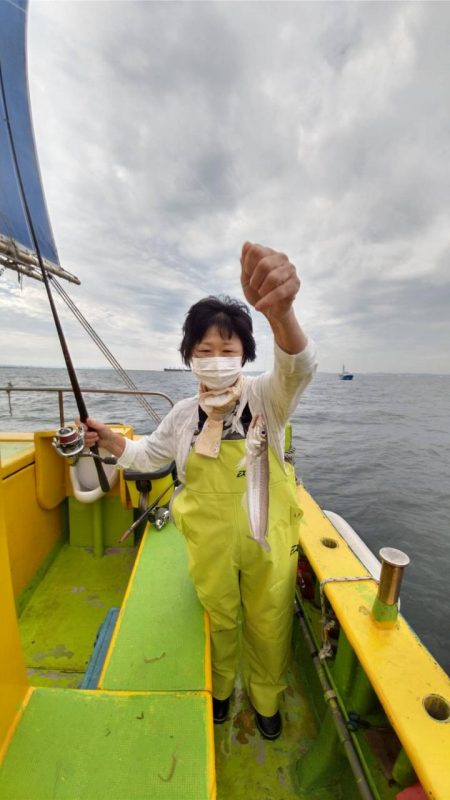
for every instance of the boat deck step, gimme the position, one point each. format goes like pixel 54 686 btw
pixel 90 745
pixel 161 641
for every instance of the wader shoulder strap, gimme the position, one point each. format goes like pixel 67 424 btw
pixel 246 418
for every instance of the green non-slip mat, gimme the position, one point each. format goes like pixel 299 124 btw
pixel 59 625
pixel 161 638
pixel 79 745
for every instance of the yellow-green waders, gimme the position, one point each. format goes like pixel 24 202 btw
pixel 234 577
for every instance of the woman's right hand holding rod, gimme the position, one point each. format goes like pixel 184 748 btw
pixel 100 434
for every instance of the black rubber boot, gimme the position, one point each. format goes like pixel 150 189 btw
pixel 220 710
pixel 269 727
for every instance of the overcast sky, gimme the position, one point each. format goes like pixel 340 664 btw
pixel 171 132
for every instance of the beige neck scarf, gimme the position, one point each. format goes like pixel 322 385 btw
pixel 216 403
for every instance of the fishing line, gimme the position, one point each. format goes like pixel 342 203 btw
pixel 82 410
pixel 104 349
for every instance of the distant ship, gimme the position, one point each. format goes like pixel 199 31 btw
pixel 176 369
pixel 344 375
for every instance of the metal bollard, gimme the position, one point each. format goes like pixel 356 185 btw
pixel 393 562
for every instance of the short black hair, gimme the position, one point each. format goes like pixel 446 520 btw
pixel 229 315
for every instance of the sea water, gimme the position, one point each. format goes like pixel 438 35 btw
pixel 375 450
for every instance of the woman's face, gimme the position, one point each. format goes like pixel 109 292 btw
pixel 213 345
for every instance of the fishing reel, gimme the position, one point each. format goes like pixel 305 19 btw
pixel 69 443
pixel 159 517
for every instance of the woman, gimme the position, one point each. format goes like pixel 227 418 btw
pixel 234 574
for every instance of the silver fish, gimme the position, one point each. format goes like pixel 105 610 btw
pixel 257 475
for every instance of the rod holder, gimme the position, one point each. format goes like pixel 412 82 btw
pixel 393 563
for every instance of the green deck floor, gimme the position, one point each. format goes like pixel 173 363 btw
pixel 161 640
pixel 160 646
pixel 59 625
pixel 252 768
pixel 78 745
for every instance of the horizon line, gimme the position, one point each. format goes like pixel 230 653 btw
pixel 255 372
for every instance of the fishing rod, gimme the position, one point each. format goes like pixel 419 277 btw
pixel 82 410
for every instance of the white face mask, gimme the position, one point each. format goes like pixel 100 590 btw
pixel 218 372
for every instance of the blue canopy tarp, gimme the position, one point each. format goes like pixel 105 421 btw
pixel 13 222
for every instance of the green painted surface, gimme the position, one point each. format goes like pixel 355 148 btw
pixel 59 625
pixel 75 745
pixel 161 640
pixel 322 764
pixel 12 449
pixel 252 768
pixel 384 612
pixel 115 520
pixel 54 678
pixel 319 767
pixel 344 667
pixel 25 596
pixel 403 771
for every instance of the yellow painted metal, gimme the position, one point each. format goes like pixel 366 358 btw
pixel 157 489
pixel 123 492
pixel 212 779
pixel 50 471
pixel 16 436
pixel 12 459
pixel 400 669
pixel 32 532
pixel 13 679
pixel 130 494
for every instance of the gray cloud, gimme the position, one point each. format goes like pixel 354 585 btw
pixel 169 133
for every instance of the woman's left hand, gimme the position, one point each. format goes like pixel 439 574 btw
pixel 269 280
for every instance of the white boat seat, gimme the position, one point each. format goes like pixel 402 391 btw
pixel 84 478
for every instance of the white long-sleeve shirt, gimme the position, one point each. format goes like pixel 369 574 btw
pixel 273 394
